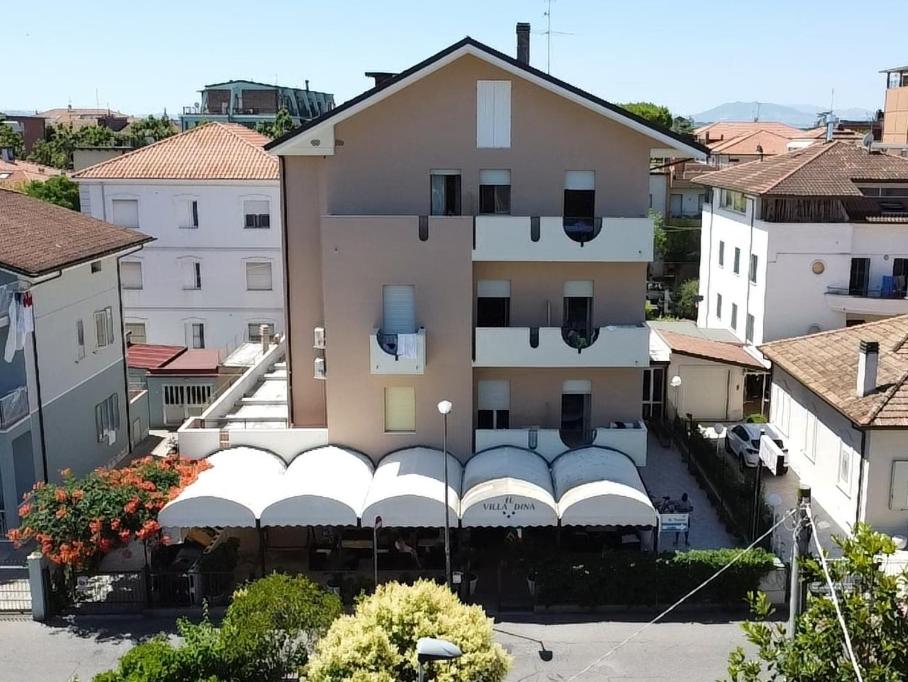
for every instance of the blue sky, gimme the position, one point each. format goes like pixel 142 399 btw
pixel 141 57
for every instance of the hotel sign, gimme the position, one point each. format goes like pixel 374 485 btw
pixel 674 523
pixel 509 507
pixel 509 510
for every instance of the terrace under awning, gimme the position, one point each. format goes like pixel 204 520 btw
pixel 508 486
pixel 407 490
pixel 600 487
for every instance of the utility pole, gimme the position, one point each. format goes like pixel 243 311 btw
pixel 758 485
pixel 799 549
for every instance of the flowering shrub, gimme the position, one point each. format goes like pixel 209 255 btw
pixel 80 519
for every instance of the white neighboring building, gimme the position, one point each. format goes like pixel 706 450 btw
pixel 210 197
pixel 840 398
pixel 803 242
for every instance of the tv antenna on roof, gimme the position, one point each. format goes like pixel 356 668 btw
pixel 548 33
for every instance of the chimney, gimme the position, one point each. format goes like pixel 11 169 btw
pixel 868 361
pixel 523 43
pixel 265 331
pixel 380 76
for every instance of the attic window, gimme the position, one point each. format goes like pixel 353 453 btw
pixel 96 266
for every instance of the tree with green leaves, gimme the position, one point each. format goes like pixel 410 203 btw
pixel 57 189
pixel 283 123
pixel 683 125
pixel 685 297
pixel 148 130
pixel 10 139
pixel 56 149
pixel 654 113
pixel 874 607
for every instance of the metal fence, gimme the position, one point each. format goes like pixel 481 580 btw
pixel 136 590
pixel 15 590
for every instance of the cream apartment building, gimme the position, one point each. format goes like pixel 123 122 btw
pixel 475 230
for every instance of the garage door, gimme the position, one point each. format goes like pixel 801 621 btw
pixel 705 392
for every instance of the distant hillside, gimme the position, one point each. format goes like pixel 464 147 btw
pixel 798 115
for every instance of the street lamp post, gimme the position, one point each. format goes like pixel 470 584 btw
pixel 431 649
pixel 444 407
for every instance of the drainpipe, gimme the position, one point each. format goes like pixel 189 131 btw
pixel 857 511
pixel 123 347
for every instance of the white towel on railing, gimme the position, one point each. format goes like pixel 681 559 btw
pixel 407 345
pixel 12 332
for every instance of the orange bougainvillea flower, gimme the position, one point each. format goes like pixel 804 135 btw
pixel 61 513
pixel 25 510
pixel 60 495
pixel 78 494
pixel 66 473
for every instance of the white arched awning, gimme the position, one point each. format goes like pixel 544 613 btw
pixel 508 486
pixel 326 486
pixel 600 487
pixel 231 493
pixel 408 489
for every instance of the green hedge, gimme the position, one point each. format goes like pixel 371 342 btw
pixel 635 579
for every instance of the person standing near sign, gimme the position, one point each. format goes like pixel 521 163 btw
pixel 683 506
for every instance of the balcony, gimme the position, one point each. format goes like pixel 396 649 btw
pixel 611 346
pixel 522 238
pixel 13 407
pixel 885 300
pixel 390 354
pixel 551 442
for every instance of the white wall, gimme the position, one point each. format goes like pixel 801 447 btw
pixel 220 243
pixel 709 390
pixel 885 447
pixel 658 196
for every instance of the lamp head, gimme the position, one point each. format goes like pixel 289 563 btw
pixel 431 649
pixel 676 381
pixel 445 406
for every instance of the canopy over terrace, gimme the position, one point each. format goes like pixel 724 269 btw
pixel 508 486
pixel 408 490
pixel 600 487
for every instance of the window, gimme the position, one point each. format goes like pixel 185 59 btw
pixel 398 309
pixel 192 274
pixel 493 303
pixel 104 328
pixel 445 192
pixel 898 486
pixel 255 330
pixel 749 328
pixel 135 332
pixel 844 469
pixel 721 254
pixel 859 277
pixel 493 114
pixel 80 340
pixel 736 266
pixel 189 214
pixel 258 276
pixel 494 399
pixel 752 271
pixel 107 419
pixel 734 201
pixel 125 212
pixel 187 394
pixel 708 197
pixel 195 334
pixel 810 436
pixel 400 409
pixel 257 213
pixel 96 267
pixel 495 191
pixel 575 412
pixel 734 315
pixel 719 306
pixel 653 388
pixel 675 205
pixel 131 274
pixel 577 323
pixel 579 195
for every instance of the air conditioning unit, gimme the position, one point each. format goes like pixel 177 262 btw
pixel 319 368
pixel 319 341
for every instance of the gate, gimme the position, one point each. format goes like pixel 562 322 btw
pixel 15 590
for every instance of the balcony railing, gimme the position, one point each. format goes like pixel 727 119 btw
pixel 610 346
pixel 524 238
pixel 628 437
pixel 13 407
pixel 866 292
pixel 395 354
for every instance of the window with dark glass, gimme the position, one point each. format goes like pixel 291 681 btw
pixel 859 277
pixel 495 192
pixel 445 192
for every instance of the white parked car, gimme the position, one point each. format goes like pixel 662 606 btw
pixel 743 441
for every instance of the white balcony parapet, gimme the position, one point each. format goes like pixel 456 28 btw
pixel 613 346
pixel 511 238
pixel 384 362
pixel 870 302
pixel 13 407
pixel 548 443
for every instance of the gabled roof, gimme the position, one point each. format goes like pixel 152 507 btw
pixel 151 356
pixel 830 169
pixel 468 45
pixel 213 151
pixel 16 171
pixel 37 237
pixel 709 349
pixel 770 143
pixel 722 131
pixel 826 363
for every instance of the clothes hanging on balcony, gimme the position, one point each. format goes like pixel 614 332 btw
pixel 407 345
pixel 21 322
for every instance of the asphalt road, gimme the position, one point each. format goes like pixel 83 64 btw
pixel 677 651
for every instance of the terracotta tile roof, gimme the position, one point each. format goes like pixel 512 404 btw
pixel 151 356
pixel 721 131
pixel 195 361
pixel 24 171
pixel 826 363
pixel 829 169
pixel 37 237
pixel 771 143
pixel 214 151
pixel 708 349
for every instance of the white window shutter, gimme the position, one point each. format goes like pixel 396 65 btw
pixel 502 129
pixel 583 386
pixel 580 180
pixel 131 274
pixel 125 212
pixel 400 408
pixel 494 395
pixel 493 288
pixel 399 309
pixel 485 113
pixel 578 289
pixel 258 276
pixel 100 329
